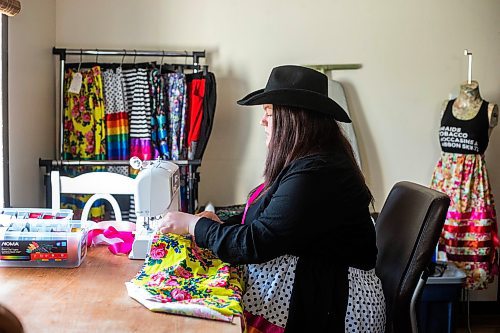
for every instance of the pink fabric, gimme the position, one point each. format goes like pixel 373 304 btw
pixel 475 215
pixel 251 199
pixel 260 324
pixel 141 147
pixel 119 236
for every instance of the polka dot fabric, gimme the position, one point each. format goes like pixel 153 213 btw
pixel 113 91
pixel 269 288
pixel 120 169
pixel 366 304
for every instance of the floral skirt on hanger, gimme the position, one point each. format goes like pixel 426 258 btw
pixel 84 133
pixel 181 278
pixel 469 238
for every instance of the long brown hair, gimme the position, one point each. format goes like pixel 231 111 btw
pixel 297 133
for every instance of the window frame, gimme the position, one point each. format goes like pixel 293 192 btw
pixel 5 112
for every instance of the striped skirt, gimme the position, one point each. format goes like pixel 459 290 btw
pixel 469 237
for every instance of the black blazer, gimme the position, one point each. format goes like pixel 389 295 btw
pixel 317 210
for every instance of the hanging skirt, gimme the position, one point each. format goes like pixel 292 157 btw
pixel 138 106
pixel 84 118
pixel 469 237
pixel 117 126
pixel 84 133
pixel 178 116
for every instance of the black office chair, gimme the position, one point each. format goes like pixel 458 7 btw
pixel 408 230
pixel 9 322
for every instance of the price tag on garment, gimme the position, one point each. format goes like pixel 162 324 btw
pixel 76 83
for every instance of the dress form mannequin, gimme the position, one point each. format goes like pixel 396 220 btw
pixel 469 237
pixel 468 102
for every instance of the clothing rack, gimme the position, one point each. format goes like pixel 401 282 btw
pixel 196 55
pixel 49 165
pixel 63 53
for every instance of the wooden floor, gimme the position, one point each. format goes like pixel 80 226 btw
pixel 479 324
pixel 484 318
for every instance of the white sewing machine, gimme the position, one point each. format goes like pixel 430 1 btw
pixel 156 193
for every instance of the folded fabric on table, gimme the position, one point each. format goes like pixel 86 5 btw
pixel 179 277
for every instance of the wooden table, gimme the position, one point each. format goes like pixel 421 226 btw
pixel 90 298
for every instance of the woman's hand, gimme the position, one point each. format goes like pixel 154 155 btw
pixel 209 215
pixel 178 223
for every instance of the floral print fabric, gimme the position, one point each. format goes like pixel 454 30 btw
pixel 84 132
pixel 469 237
pixel 84 124
pixel 179 277
pixel 159 117
pixel 177 106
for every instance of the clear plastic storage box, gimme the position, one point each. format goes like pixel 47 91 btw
pixel 41 238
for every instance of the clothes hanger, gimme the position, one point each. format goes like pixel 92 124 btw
pixel 161 61
pixel 179 68
pixel 80 63
pixel 123 58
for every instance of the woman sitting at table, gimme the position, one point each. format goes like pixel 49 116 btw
pixel 306 237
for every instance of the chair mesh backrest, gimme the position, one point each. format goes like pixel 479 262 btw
pixel 408 230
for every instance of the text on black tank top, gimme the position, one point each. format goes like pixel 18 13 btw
pixel 464 136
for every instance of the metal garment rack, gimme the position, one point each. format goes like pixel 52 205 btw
pixel 63 53
pixel 49 165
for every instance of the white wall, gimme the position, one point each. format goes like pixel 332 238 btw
pixel 411 52
pixel 31 99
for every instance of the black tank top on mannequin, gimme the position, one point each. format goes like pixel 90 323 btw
pixel 464 136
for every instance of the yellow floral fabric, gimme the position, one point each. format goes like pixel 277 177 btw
pixel 179 277
pixel 84 132
pixel 84 117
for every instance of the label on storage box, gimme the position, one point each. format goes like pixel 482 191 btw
pixel 40 250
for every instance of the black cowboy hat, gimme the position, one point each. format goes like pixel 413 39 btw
pixel 300 87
